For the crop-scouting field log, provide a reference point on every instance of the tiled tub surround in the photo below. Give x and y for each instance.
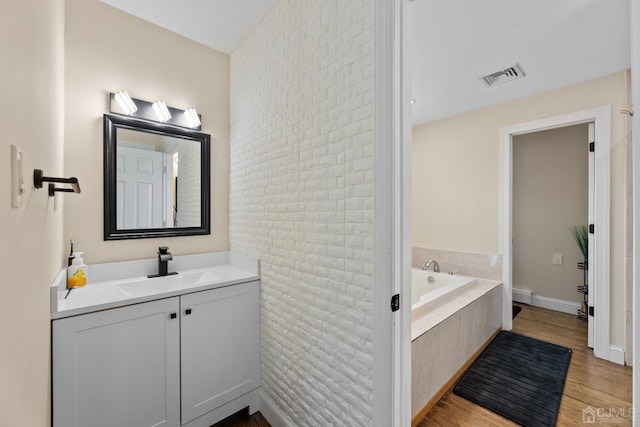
(485, 266)
(446, 335)
(441, 303)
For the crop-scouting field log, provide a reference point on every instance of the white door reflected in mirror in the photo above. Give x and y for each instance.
(157, 181)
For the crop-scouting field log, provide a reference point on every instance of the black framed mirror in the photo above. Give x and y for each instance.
(156, 180)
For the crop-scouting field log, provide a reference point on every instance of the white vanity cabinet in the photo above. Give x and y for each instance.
(136, 365)
(220, 347)
(118, 367)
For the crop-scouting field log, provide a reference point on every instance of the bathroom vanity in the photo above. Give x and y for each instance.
(180, 350)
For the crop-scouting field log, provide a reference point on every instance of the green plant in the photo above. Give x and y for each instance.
(581, 236)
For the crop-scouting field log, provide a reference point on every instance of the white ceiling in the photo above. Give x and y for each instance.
(454, 43)
(557, 43)
(220, 24)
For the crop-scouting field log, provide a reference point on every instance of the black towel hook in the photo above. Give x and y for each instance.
(39, 178)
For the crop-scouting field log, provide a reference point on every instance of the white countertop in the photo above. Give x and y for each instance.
(118, 284)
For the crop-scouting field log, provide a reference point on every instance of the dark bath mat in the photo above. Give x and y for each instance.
(516, 309)
(518, 377)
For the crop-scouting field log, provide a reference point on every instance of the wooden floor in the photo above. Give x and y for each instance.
(243, 419)
(591, 382)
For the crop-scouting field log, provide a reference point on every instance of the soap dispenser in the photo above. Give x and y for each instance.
(77, 273)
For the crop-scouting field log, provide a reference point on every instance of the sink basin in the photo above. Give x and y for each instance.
(164, 284)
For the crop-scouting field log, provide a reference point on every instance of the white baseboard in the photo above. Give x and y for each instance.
(616, 354)
(270, 411)
(522, 295)
(525, 296)
(569, 307)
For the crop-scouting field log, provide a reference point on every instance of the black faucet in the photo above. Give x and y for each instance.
(164, 256)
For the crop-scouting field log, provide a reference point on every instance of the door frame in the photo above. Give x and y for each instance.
(635, 132)
(601, 116)
(392, 259)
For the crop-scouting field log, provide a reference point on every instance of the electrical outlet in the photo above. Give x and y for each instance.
(557, 259)
(17, 179)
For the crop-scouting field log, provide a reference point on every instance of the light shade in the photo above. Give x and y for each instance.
(161, 110)
(192, 117)
(125, 102)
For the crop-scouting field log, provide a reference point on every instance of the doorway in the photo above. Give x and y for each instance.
(599, 252)
(552, 191)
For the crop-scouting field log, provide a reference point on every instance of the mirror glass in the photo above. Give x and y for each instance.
(156, 179)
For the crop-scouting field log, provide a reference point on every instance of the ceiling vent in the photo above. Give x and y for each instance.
(504, 76)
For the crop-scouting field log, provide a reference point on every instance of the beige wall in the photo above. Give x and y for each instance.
(456, 175)
(108, 50)
(550, 194)
(31, 115)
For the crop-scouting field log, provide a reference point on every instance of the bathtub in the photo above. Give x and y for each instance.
(458, 318)
(429, 289)
(451, 319)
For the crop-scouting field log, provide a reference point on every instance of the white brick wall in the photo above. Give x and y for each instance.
(189, 181)
(301, 199)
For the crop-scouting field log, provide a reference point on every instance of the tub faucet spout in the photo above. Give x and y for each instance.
(436, 266)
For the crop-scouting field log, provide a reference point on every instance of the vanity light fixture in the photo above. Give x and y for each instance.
(192, 117)
(161, 110)
(121, 103)
(125, 102)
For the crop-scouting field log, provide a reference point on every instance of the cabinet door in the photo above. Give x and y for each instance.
(220, 347)
(118, 367)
